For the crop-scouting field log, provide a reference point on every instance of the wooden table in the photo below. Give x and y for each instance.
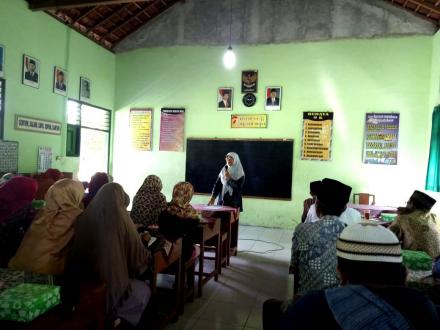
(230, 221)
(375, 210)
(208, 229)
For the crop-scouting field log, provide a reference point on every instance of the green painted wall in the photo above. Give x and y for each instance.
(435, 71)
(350, 77)
(39, 35)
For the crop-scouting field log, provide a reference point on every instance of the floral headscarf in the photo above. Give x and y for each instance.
(180, 204)
(148, 202)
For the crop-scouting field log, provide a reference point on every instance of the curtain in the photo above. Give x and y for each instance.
(433, 173)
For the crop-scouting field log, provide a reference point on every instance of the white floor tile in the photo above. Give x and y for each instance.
(236, 300)
(225, 312)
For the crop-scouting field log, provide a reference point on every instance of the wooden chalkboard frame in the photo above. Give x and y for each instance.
(252, 140)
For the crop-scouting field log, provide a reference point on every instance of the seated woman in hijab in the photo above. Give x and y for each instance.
(108, 249)
(46, 180)
(45, 245)
(16, 214)
(96, 182)
(148, 202)
(180, 219)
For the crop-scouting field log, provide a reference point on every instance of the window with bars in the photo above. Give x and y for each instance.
(88, 136)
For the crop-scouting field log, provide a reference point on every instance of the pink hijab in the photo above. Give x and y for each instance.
(15, 194)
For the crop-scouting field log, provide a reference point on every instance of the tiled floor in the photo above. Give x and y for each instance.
(235, 301)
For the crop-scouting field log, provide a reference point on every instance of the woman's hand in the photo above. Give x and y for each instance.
(227, 175)
(211, 201)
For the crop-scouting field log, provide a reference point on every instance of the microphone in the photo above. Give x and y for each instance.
(226, 167)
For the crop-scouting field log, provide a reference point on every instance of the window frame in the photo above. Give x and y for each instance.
(2, 110)
(81, 103)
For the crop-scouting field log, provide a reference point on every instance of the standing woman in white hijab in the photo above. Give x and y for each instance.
(229, 184)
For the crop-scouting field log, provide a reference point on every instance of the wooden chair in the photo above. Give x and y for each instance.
(188, 278)
(164, 263)
(364, 199)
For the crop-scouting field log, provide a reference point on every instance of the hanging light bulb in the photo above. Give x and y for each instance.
(229, 59)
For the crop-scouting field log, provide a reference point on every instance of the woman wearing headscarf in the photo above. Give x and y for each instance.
(46, 243)
(107, 248)
(46, 180)
(148, 202)
(229, 184)
(180, 219)
(96, 182)
(16, 214)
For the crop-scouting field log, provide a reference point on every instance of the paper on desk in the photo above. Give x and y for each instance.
(212, 207)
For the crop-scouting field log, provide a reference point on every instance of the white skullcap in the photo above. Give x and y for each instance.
(368, 241)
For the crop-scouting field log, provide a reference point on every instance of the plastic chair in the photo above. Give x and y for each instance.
(364, 199)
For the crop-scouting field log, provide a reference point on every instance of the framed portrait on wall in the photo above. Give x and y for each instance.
(249, 81)
(224, 98)
(84, 89)
(59, 81)
(31, 71)
(273, 98)
(2, 61)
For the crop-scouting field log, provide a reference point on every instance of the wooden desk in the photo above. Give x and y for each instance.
(230, 221)
(208, 229)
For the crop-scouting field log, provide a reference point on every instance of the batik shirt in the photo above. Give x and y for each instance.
(314, 253)
(418, 230)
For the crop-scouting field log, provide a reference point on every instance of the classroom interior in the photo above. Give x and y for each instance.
(348, 57)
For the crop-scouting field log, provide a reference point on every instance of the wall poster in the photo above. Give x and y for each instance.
(172, 123)
(381, 138)
(44, 159)
(317, 136)
(8, 156)
(141, 121)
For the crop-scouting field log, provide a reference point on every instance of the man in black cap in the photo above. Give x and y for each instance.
(416, 227)
(314, 244)
(314, 186)
(371, 295)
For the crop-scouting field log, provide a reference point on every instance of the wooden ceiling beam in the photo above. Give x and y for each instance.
(426, 5)
(56, 4)
(108, 18)
(169, 4)
(135, 17)
(86, 13)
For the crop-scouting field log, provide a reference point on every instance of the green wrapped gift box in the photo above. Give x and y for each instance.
(27, 301)
(416, 260)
